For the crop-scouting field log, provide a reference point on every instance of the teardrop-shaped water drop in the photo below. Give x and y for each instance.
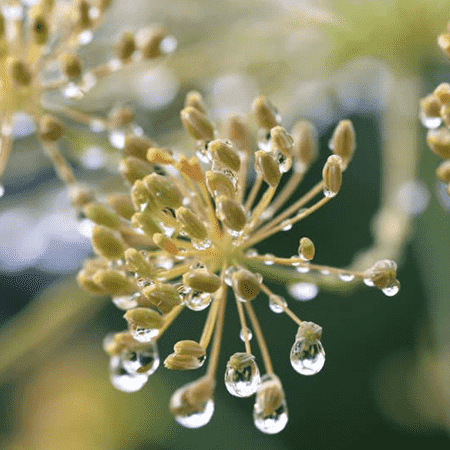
(328, 193)
(391, 290)
(430, 122)
(201, 244)
(276, 302)
(122, 380)
(270, 413)
(247, 333)
(229, 273)
(198, 301)
(269, 259)
(141, 360)
(307, 357)
(303, 291)
(191, 416)
(346, 277)
(126, 302)
(242, 376)
(142, 334)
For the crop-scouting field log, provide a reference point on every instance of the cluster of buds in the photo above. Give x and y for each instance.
(185, 237)
(38, 54)
(435, 115)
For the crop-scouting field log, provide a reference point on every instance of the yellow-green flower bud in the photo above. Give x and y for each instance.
(246, 285)
(224, 154)
(266, 165)
(191, 224)
(101, 215)
(196, 124)
(343, 141)
(231, 213)
(332, 175)
(164, 296)
(265, 113)
(108, 243)
(202, 281)
(306, 250)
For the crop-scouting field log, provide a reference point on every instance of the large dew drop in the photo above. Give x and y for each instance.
(190, 415)
(270, 413)
(307, 357)
(276, 304)
(142, 360)
(242, 376)
(122, 380)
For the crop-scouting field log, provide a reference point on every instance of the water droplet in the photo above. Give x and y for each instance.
(122, 380)
(201, 245)
(392, 290)
(275, 302)
(86, 227)
(188, 411)
(168, 45)
(270, 413)
(94, 158)
(346, 277)
(269, 259)
(328, 193)
(368, 282)
(166, 229)
(143, 360)
(202, 153)
(286, 225)
(430, 122)
(125, 302)
(114, 64)
(251, 253)
(198, 301)
(263, 140)
(2, 190)
(242, 376)
(303, 291)
(295, 262)
(164, 262)
(302, 269)
(307, 357)
(72, 90)
(94, 12)
(89, 81)
(229, 273)
(97, 125)
(144, 335)
(412, 197)
(284, 161)
(325, 272)
(249, 334)
(12, 12)
(85, 37)
(117, 138)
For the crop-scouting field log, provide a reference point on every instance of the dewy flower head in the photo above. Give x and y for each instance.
(191, 240)
(38, 55)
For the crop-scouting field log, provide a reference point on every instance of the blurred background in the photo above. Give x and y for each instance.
(387, 377)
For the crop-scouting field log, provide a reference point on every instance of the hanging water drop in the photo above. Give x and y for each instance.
(269, 259)
(122, 380)
(198, 301)
(302, 269)
(346, 277)
(286, 225)
(143, 334)
(229, 273)
(270, 413)
(430, 122)
(392, 289)
(245, 333)
(126, 302)
(277, 304)
(242, 376)
(192, 405)
(201, 244)
(307, 353)
(329, 193)
(2, 190)
(141, 360)
(303, 291)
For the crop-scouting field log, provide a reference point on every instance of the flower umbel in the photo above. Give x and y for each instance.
(190, 240)
(39, 63)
